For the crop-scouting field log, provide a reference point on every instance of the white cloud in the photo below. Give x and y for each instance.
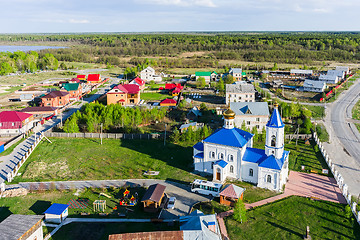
(183, 3)
(78, 21)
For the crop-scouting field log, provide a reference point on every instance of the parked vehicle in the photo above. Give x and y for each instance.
(206, 187)
(171, 203)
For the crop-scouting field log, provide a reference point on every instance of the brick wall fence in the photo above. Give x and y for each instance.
(339, 179)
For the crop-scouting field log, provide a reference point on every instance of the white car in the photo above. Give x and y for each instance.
(171, 203)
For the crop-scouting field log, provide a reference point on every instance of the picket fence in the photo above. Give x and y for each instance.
(339, 179)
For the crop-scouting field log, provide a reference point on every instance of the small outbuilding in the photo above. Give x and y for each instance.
(56, 213)
(153, 197)
(168, 102)
(230, 194)
(23, 227)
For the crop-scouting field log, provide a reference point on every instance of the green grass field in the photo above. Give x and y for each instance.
(81, 159)
(149, 96)
(303, 155)
(288, 218)
(317, 112)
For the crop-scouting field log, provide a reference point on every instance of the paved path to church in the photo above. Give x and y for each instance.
(299, 184)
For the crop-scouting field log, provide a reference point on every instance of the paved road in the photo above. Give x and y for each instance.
(7, 163)
(344, 147)
(184, 197)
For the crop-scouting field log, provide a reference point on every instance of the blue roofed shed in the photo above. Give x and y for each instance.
(56, 213)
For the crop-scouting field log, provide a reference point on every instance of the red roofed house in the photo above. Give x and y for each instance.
(168, 102)
(124, 94)
(94, 78)
(230, 194)
(81, 77)
(14, 122)
(75, 80)
(173, 89)
(55, 99)
(138, 81)
(176, 91)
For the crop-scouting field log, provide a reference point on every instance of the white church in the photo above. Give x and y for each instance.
(228, 154)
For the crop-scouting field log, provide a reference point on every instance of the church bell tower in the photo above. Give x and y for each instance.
(274, 144)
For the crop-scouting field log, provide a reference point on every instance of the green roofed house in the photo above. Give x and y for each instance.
(74, 90)
(209, 76)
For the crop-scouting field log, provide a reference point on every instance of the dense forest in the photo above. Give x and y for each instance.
(288, 47)
(26, 62)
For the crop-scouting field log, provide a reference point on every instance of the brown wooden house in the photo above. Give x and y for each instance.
(153, 197)
(230, 194)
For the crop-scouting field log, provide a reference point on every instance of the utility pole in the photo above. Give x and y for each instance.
(165, 135)
(61, 123)
(101, 127)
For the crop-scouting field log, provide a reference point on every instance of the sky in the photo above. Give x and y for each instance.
(57, 16)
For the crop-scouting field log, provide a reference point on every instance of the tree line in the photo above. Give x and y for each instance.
(26, 62)
(113, 118)
(296, 48)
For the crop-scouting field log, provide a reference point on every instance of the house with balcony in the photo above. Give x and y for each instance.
(55, 99)
(124, 94)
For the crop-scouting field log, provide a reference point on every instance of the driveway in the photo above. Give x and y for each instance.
(185, 199)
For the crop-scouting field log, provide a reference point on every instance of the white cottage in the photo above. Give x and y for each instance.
(228, 153)
(148, 74)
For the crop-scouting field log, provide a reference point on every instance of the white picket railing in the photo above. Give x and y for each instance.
(339, 179)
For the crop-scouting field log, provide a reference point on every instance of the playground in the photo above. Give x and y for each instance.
(90, 202)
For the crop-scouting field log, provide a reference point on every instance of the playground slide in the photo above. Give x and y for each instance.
(104, 194)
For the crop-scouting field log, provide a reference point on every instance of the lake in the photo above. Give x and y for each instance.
(13, 48)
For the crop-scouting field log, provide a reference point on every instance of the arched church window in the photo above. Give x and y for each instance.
(221, 156)
(268, 179)
(251, 172)
(218, 170)
(231, 169)
(231, 158)
(212, 155)
(273, 140)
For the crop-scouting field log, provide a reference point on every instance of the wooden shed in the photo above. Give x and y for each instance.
(56, 213)
(230, 194)
(153, 197)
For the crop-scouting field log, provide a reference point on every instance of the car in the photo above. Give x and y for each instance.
(171, 203)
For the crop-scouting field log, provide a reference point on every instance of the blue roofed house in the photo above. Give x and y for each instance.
(56, 213)
(228, 154)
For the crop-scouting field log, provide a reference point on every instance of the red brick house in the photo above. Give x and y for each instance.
(14, 122)
(55, 99)
(94, 78)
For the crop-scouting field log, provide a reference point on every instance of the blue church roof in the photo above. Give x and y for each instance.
(275, 120)
(199, 146)
(199, 155)
(229, 137)
(258, 156)
(221, 163)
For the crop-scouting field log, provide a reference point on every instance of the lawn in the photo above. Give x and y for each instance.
(153, 96)
(38, 202)
(101, 231)
(288, 219)
(303, 155)
(317, 112)
(86, 159)
(356, 111)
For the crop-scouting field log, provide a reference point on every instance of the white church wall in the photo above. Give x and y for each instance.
(245, 174)
(275, 178)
